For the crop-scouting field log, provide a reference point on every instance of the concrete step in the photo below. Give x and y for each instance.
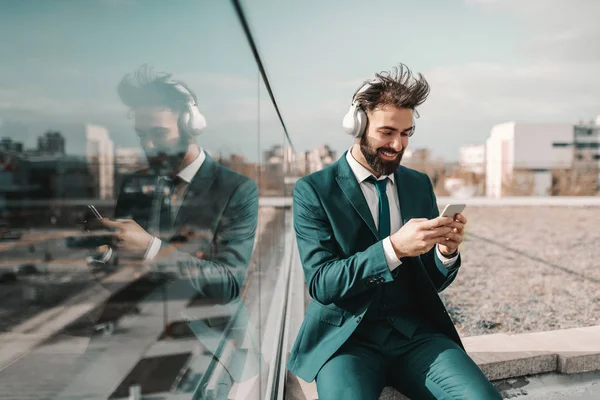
(502, 356)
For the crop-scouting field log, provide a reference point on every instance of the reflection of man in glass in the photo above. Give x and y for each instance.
(199, 221)
(194, 193)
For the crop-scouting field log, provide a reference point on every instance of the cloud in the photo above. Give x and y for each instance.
(222, 97)
(554, 30)
(553, 78)
(538, 91)
(35, 102)
(208, 80)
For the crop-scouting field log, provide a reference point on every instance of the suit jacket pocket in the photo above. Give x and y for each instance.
(325, 314)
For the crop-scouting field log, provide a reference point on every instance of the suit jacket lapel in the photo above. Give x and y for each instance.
(198, 187)
(404, 188)
(351, 189)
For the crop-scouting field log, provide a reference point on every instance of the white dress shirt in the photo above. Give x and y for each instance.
(186, 175)
(371, 196)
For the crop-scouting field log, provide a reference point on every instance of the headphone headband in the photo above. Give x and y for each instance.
(355, 120)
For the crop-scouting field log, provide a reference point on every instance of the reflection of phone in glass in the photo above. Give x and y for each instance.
(98, 257)
(452, 209)
(94, 211)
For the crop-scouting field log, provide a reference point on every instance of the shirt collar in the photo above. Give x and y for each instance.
(188, 173)
(360, 172)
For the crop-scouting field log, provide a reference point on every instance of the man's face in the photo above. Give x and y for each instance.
(386, 138)
(160, 138)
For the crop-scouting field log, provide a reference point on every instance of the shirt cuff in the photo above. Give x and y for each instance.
(153, 249)
(448, 262)
(390, 255)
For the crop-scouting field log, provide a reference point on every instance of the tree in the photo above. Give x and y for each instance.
(519, 183)
(574, 182)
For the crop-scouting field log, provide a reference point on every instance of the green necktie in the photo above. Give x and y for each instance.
(384, 206)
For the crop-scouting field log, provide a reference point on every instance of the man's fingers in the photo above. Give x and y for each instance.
(449, 239)
(461, 218)
(108, 223)
(416, 220)
(457, 225)
(437, 232)
(436, 222)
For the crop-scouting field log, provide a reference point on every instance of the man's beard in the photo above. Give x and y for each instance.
(167, 159)
(165, 163)
(382, 167)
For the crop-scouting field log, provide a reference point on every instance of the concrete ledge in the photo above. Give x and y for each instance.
(568, 351)
(576, 363)
(501, 356)
(510, 365)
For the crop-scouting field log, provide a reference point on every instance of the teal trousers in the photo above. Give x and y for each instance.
(427, 366)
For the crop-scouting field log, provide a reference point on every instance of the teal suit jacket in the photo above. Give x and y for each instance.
(344, 261)
(221, 206)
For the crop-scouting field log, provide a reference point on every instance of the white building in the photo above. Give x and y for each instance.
(515, 149)
(418, 155)
(101, 159)
(280, 157)
(586, 146)
(472, 158)
(307, 162)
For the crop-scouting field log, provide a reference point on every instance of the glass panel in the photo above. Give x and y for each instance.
(170, 295)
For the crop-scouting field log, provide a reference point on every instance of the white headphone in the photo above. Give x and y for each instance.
(190, 120)
(355, 120)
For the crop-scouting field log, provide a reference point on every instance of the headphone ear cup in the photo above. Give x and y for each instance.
(354, 121)
(192, 121)
(196, 121)
(361, 118)
(349, 121)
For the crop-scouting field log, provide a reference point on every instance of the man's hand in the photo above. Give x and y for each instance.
(128, 235)
(449, 244)
(419, 235)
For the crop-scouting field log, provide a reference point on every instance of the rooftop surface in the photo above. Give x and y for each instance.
(527, 269)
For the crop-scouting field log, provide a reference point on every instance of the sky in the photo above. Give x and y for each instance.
(487, 61)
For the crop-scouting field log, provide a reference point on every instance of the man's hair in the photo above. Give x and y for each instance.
(145, 88)
(398, 88)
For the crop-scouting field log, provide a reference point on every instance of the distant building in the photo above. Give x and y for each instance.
(586, 147)
(55, 177)
(51, 142)
(279, 158)
(7, 145)
(518, 153)
(314, 160)
(416, 156)
(101, 159)
(127, 161)
(472, 159)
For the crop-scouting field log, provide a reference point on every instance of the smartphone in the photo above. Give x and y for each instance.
(91, 224)
(452, 209)
(99, 258)
(94, 211)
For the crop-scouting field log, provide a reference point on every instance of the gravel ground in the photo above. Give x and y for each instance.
(527, 269)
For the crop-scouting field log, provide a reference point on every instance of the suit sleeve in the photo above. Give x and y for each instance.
(440, 275)
(218, 272)
(329, 277)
